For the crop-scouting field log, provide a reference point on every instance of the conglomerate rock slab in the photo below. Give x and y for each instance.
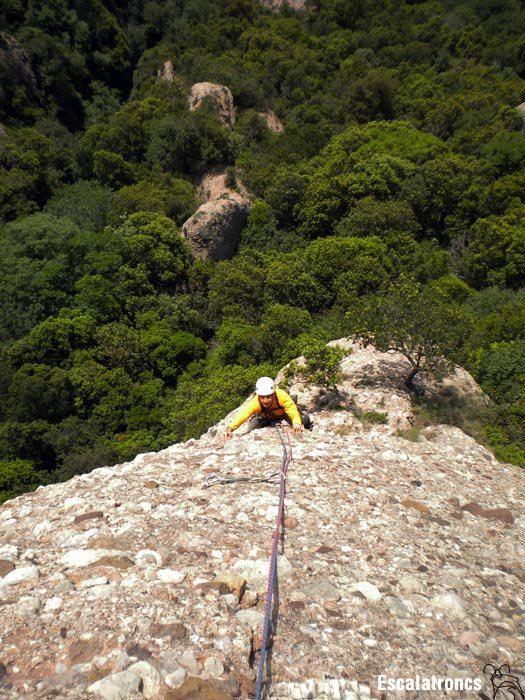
(397, 558)
(214, 230)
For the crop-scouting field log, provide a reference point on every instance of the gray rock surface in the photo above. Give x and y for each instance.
(219, 95)
(382, 569)
(276, 4)
(16, 61)
(214, 230)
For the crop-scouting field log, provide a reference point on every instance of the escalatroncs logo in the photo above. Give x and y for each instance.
(504, 685)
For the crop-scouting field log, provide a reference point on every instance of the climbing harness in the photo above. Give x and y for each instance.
(273, 478)
(287, 458)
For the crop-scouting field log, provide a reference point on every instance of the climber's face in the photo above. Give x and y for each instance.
(266, 401)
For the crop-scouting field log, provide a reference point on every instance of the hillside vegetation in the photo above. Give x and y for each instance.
(399, 175)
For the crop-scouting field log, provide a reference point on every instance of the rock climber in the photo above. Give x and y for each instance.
(268, 405)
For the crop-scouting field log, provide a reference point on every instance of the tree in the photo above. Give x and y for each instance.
(436, 189)
(41, 257)
(500, 371)
(189, 143)
(173, 197)
(321, 363)
(506, 151)
(237, 288)
(112, 170)
(28, 175)
(87, 204)
(417, 322)
(39, 392)
(496, 254)
(17, 477)
(52, 341)
(291, 282)
(126, 135)
(346, 264)
(154, 254)
(261, 230)
(169, 353)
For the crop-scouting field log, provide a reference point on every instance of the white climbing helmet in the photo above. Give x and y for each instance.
(264, 386)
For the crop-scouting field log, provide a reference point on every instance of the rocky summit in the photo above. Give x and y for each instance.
(400, 568)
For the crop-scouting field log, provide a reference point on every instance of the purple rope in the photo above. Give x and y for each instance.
(287, 458)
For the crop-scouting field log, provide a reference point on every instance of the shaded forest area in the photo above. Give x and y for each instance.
(399, 174)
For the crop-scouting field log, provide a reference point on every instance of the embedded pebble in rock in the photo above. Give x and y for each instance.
(21, 575)
(170, 576)
(320, 591)
(120, 685)
(366, 590)
(450, 603)
(397, 557)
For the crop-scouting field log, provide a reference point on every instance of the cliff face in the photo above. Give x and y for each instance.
(398, 558)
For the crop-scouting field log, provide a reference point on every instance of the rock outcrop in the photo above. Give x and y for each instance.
(277, 4)
(272, 121)
(14, 59)
(398, 559)
(220, 96)
(167, 72)
(214, 230)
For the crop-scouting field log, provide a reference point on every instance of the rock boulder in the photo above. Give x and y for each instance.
(220, 96)
(214, 230)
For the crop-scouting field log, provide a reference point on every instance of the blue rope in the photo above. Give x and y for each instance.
(287, 456)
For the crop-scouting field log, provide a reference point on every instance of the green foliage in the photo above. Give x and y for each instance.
(378, 160)
(496, 254)
(154, 255)
(38, 391)
(500, 369)
(499, 315)
(374, 417)
(169, 353)
(17, 477)
(238, 343)
(415, 321)
(112, 170)
(346, 266)
(124, 139)
(261, 230)
(506, 151)
(53, 340)
(236, 289)
(290, 281)
(452, 288)
(202, 397)
(28, 175)
(190, 143)
(321, 365)
(173, 197)
(401, 154)
(89, 205)
(41, 259)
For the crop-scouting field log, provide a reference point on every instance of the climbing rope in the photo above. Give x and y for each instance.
(213, 479)
(287, 458)
(280, 476)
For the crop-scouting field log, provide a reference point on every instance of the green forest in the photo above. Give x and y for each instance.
(391, 204)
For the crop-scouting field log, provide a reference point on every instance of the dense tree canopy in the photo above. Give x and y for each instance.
(390, 204)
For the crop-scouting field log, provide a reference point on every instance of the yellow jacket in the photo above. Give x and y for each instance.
(282, 404)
